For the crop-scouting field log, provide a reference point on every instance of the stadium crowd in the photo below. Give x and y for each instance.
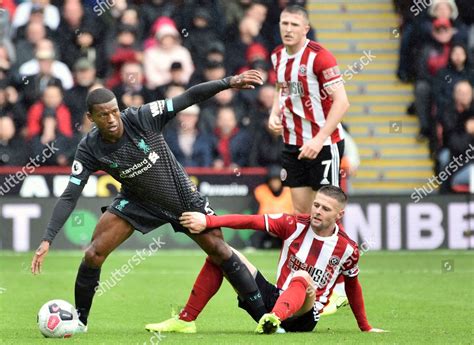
(52, 53)
(436, 54)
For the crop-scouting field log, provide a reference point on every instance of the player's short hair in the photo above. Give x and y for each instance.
(296, 9)
(98, 96)
(335, 193)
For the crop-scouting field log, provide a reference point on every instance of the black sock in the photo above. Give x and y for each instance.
(86, 281)
(242, 280)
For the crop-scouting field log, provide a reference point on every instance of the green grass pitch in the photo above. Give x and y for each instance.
(420, 297)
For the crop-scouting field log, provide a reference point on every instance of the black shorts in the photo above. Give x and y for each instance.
(314, 173)
(145, 220)
(270, 294)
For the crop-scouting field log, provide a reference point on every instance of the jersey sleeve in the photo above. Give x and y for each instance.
(82, 167)
(326, 69)
(155, 115)
(350, 268)
(282, 225)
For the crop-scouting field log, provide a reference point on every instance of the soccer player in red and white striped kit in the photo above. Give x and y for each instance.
(314, 254)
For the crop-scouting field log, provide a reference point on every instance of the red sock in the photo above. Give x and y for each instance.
(292, 299)
(206, 285)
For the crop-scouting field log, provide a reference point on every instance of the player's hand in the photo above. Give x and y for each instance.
(246, 80)
(39, 256)
(310, 149)
(194, 221)
(274, 123)
(376, 330)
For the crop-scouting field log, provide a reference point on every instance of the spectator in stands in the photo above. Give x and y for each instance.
(25, 47)
(36, 10)
(248, 38)
(458, 125)
(177, 75)
(13, 150)
(45, 63)
(210, 108)
(132, 85)
(259, 110)
(6, 73)
(445, 9)
(131, 19)
(124, 49)
(434, 57)
(459, 68)
(191, 146)
(80, 35)
(212, 70)
(232, 145)
(270, 198)
(216, 52)
(157, 60)
(50, 120)
(200, 37)
(75, 98)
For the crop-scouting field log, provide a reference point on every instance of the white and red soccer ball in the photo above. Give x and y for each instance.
(57, 319)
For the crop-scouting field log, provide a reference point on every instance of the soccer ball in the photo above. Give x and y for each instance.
(57, 319)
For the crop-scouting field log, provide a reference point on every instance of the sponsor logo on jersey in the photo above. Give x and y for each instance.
(113, 165)
(157, 108)
(77, 167)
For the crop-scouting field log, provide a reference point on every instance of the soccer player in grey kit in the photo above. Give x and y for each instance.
(156, 190)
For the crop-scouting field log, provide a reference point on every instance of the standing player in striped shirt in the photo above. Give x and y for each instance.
(310, 102)
(315, 253)
(309, 105)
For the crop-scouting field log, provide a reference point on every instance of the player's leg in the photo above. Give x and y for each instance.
(109, 233)
(206, 285)
(302, 198)
(236, 272)
(296, 300)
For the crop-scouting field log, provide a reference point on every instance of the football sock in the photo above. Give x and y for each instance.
(86, 281)
(206, 285)
(292, 299)
(242, 280)
(339, 287)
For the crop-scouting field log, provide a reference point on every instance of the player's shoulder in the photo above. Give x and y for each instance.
(303, 218)
(345, 237)
(277, 49)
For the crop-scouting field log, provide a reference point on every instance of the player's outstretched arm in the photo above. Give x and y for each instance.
(198, 222)
(356, 301)
(203, 91)
(62, 211)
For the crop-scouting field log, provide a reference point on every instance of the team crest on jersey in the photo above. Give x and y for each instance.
(334, 260)
(302, 70)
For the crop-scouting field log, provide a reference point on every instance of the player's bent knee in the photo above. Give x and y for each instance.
(93, 258)
(304, 275)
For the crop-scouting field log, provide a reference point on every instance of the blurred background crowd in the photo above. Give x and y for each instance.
(52, 53)
(436, 54)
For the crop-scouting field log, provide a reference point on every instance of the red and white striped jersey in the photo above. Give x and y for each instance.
(304, 103)
(324, 258)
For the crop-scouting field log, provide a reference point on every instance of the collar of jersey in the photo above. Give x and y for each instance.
(299, 52)
(326, 238)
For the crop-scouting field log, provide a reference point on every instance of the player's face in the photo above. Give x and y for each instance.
(293, 28)
(106, 117)
(325, 211)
